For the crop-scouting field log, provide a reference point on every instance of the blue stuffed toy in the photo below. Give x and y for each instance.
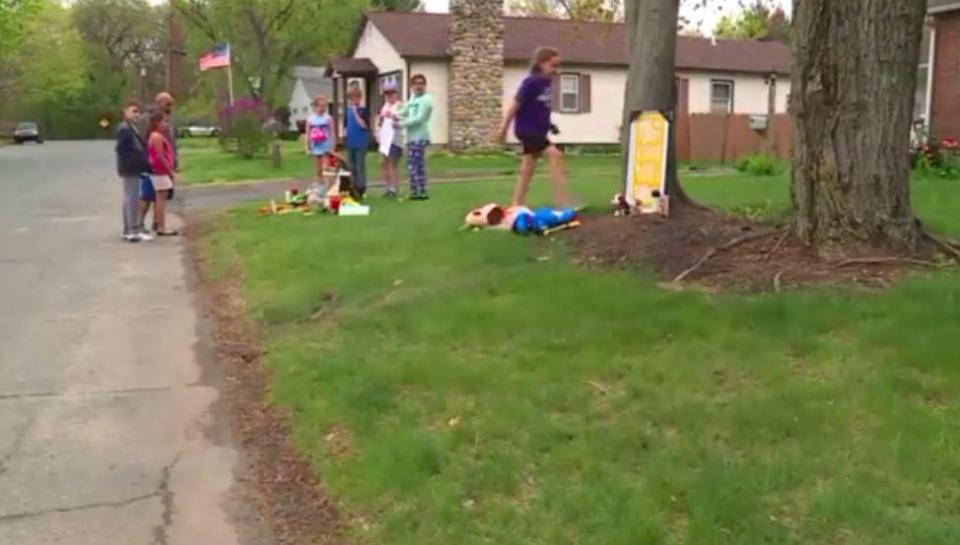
(542, 219)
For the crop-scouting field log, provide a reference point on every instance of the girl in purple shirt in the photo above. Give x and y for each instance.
(530, 113)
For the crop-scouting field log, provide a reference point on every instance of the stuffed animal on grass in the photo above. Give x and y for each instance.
(620, 205)
(544, 220)
(488, 215)
(520, 219)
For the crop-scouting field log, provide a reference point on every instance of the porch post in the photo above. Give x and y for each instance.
(336, 108)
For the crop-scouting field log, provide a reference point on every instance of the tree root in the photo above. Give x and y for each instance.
(776, 280)
(885, 260)
(726, 246)
(952, 247)
(780, 241)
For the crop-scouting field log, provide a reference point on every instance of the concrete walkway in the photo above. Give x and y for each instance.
(110, 428)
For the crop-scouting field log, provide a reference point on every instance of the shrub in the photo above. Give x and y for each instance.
(932, 157)
(289, 136)
(760, 165)
(242, 127)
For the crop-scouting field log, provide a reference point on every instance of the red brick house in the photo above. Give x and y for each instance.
(938, 92)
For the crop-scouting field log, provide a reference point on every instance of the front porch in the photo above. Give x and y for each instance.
(347, 71)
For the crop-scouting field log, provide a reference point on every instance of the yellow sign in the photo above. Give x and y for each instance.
(649, 139)
(104, 122)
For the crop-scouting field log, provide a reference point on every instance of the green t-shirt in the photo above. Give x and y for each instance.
(415, 118)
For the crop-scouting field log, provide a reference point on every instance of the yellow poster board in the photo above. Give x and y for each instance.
(649, 138)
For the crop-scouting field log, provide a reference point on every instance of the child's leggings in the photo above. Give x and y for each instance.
(416, 166)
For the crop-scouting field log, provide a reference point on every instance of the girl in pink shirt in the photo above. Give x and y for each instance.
(160, 152)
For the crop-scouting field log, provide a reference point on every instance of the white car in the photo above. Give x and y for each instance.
(194, 129)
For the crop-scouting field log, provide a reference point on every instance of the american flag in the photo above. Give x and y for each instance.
(218, 58)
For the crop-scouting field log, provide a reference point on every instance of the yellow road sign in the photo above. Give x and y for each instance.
(104, 122)
(649, 139)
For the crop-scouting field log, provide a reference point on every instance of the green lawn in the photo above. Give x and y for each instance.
(203, 162)
(490, 391)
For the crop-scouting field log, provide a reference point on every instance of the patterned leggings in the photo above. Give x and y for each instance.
(416, 166)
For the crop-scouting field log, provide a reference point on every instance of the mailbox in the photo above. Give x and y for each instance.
(757, 122)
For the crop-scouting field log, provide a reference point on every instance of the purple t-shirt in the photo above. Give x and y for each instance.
(533, 117)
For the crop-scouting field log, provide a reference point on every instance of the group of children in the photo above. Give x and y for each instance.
(154, 153)
(146, 162)
(412, 118)
(529, 112)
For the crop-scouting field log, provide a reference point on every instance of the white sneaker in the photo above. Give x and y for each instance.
(144, 236)
(131, 238)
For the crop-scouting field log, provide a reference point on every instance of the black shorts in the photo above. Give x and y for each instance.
(535, 145)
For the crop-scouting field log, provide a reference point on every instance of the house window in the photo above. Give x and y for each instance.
(721, 97)
(570, 93)
(920, 97)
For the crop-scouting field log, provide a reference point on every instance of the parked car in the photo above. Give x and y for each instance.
(27, 131)
(199, 129)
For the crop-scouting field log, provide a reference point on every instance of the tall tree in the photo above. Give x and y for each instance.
(757, 21)
(577, 10)
(268, 37)
(651, 29)
(125, 38)
(397, 5)
(49, 68)
(13, 17)
(852, 100)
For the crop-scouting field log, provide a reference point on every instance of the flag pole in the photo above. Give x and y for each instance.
(230, 81)
(230, 72)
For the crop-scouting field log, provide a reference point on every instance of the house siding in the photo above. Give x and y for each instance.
(750, 92)
(374, 46)
(299, 100)
(945, 95)
(437, 73)
(602, 124)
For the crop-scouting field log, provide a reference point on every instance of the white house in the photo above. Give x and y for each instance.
(308, 82)
(715, 76)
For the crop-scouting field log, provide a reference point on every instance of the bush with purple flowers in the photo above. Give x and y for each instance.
(242, 127)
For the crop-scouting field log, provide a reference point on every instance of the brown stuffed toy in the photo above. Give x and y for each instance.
(488, 215)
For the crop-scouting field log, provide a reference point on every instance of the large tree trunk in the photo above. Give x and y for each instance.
(651, 27)
(854, 77)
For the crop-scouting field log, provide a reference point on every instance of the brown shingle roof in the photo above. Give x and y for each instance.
(425, 35)
(350, 66)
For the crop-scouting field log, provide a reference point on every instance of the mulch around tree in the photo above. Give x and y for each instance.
(701, 247)
(275, 477)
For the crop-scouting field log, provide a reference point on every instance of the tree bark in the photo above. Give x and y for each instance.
(854, 77)
(651, 28)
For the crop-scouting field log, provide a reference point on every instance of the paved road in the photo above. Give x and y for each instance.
(110, 429)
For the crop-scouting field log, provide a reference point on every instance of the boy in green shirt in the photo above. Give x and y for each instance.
(415, 118)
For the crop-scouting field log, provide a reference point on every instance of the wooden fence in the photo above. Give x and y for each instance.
(726, 138)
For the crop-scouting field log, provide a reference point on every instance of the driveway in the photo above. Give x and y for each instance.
(110, 426)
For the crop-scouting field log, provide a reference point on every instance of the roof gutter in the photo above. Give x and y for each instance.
(944, 9)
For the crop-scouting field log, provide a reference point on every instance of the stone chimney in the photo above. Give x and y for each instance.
(476, 73)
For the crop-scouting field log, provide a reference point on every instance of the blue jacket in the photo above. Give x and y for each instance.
(131, 151)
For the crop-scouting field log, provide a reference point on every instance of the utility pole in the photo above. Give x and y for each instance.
(167, 82)
(771, 112)
(143, 84)
(173, 48)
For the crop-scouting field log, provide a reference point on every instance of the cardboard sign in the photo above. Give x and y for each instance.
(647, 173)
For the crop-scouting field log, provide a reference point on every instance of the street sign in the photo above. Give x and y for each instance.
(104, 122)
(647, 160)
